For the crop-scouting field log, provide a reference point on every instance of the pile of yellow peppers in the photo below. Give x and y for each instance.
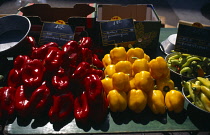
(132, 80)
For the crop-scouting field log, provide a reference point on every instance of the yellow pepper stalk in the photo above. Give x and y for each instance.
(137, 100)
(135, 52)
(124, 66)
(106, 60)
(121, 81)
(156, 102)
(140, 65)
(159, 68)
(118, 54)
(174, 101)
(117, 100)
(109, 70)
(165, 84)
(144, 81)
(107, 84)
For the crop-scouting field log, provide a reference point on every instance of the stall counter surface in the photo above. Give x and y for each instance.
(188, 122)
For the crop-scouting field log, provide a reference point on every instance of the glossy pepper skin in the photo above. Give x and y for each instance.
(53, 59)
(109, 70)
(60, 81)
(137, 100)
(86, 55)
(70, 47)
(140, 65)
(41, 52)
(159, 68)
(81, 71)
(15, 74)
(118, 54)
(61, 108)
(144, 81)
(97, 62)
(7, 103)
(174, 101)
(124, 66)
(117, 100)
(32, 73)
(93, 88)
(135, 53)
(106, 60)
(107, 84)
(156, 102)
(81, 109)
(85, 42)
(121, 81)
(165, 84)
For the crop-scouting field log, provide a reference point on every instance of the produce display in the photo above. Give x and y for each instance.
(189, 65)
(197, 91)
(132, 80)
(58, 82)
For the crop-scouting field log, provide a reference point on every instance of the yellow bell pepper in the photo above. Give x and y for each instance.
(124, 66)
(121, 81)
(146, 57)
(107, 84)
(106, 60)
(135, 52)
(137, 100)
(109, 70)
(156, 102)
(132, 83)
(117, 100)
(165, 84)
(174, 101)
(144, 81)
(140, 65)
(159, 68)
(118, 54)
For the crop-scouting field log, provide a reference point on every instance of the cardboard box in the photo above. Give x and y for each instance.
(81, 16)
(146, 21)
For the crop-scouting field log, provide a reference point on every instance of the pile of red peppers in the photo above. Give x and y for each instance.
(59, 81)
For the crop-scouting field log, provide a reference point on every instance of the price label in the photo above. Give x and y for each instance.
(54, 32)
(193, 40)
(118, 32)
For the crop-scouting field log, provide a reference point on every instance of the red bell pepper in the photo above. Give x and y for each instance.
(82, 70)
(85, 42)
(40, 100)
(98, 72)
(15, 74)
(93, 88)
(41, 52)
(70, 47)
(22, 102)
(97, 62)
(81, 109)
(32, 104)
(61, 108)
(7, 103)
(32, 73)
(53, 59)
(86, 55)
(60, 81)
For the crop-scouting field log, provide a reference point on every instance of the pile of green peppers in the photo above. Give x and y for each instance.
(198, 92)
(189, 65)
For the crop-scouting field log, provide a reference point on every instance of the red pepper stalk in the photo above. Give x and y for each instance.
(62, 107)
(33, 73)
(7, 103)
(15, 74)
(81, 109)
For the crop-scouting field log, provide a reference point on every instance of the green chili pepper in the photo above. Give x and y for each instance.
(187, 63)
(204, 81)
(188, 87)
(205, 101)
(198, 102)
(186, 71)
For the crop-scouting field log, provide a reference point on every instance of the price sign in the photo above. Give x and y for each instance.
(54, 32)
(118, 32)
(193, 40)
